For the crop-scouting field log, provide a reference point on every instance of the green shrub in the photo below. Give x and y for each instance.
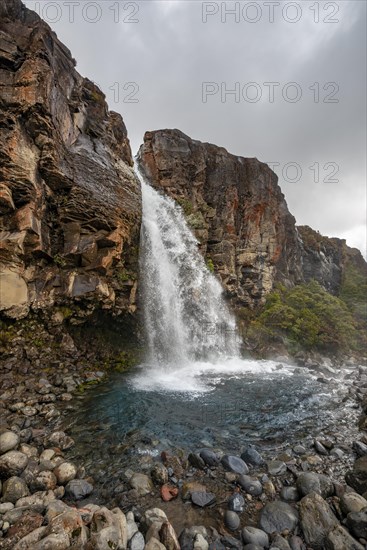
(186, 206)
(59, 260)
(124, 361)
(307, 316)
(210, 265)
(353, 291)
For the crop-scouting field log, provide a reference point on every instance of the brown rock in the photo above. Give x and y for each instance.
(238, 213)
(68, 193)
(27, 523)
(168, 536)
(168, 492)
(235, 207)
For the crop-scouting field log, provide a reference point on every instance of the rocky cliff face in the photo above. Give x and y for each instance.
(70, 204)
(327, 259)
(241, 220)
(236, 209)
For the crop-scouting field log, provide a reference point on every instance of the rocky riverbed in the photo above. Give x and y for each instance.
(311, 495)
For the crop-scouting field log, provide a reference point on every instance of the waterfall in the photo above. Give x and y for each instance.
(185, 316)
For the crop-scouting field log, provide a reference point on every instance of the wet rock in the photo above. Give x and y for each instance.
(231, 520)
(360, 448)
(231, 542)
(191, 487)
(61, 440)
(65, 472)
(296, 543)
(357, 478)
(338, 538)
(36, 502)
(137, 541)
(25, 525)
(234, 464)
(8, 441)
(109, 529)
(29, 411)
(55, 541)
(252, 535)
(236, 503)
(200, 543)
(278, 516)
(119, 521)
(78, 489)
(357, 523)
(108, 537)
(31, 471)
(308, 482)
(279, 543)
(55, 508)
(251, 485)
(352, 502)
(159, 474)
(154, 544)
(337, 453)
(188, 535)
(47, 454)
(87, 513)
(210, 458)
(30, 540)
(153, 516)
(320, 448)
(202, 498)
(299, 450)
(68, 522)
(14, 488)
(196, 461)
(316, 520)
(12, 463)
(269, 488)
(173, 464)
(250, 455)
(168, 492)
(28, 450)
(276, 468)
(44, 481)
(5, 507)
(141, 483)
(168, 536)
(289, 494)
(216, 545)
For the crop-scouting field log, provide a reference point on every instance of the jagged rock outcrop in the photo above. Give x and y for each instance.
(236, 209)
(327, 259)
(241, 219)
(70, 203)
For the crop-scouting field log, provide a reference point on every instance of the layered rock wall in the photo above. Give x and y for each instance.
(70, 203)
(240, 217)
(236, 209)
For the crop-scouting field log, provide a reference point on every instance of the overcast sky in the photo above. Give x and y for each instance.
(155, 59)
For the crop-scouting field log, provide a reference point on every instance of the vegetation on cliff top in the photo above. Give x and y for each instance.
(353, 292)
(306, 317)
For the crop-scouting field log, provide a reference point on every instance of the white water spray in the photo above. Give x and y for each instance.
(186, 319)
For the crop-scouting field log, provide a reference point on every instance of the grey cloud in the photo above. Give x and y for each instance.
(170, 52)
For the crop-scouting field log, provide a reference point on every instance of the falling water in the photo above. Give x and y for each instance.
(186, 318)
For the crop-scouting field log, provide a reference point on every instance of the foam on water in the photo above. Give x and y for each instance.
(203, 376)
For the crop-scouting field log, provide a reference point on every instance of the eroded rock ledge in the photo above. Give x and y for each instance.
(70, 202)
